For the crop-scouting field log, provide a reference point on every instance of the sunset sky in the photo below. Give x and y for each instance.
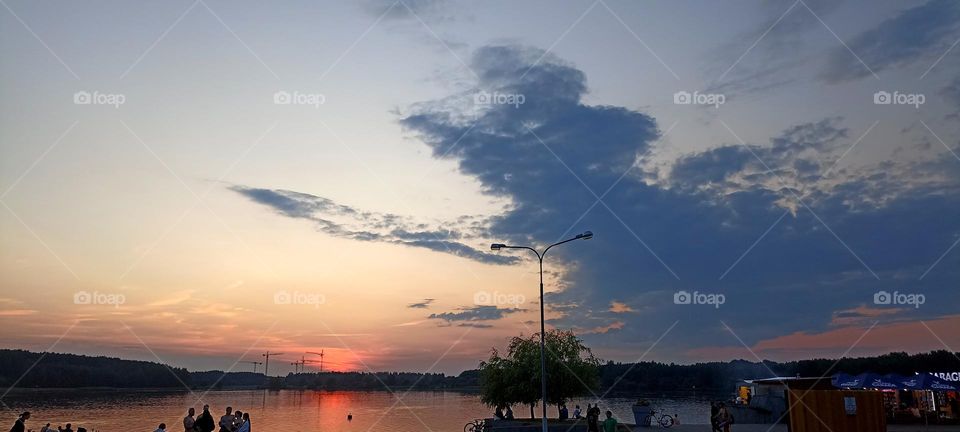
(197, 182)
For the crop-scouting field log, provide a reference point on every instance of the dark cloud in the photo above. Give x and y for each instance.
(421, 305)
(475, 325)
(919, 32)
(476, 313)
(553, 155)
(951, 93)
(347, 222)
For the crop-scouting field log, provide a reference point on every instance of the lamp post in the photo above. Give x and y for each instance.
(586, 235)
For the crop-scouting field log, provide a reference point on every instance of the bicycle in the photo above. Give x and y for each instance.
(474, 426)
(655, 417)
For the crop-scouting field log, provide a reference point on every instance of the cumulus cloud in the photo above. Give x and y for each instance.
(554, 155)
(918, 32)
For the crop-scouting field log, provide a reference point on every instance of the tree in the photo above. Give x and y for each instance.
(572, 370)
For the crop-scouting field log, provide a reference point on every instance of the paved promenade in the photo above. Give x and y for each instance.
(783, 428)
(525, 426)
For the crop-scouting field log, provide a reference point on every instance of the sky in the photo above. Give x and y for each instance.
(199, 182)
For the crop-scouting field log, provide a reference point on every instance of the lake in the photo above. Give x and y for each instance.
(292, 410)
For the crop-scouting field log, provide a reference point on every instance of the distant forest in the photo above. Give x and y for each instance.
(69, 371)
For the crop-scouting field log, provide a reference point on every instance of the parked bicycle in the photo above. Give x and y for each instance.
(474, 426)
(658, 418)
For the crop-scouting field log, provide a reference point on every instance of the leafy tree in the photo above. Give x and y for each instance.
(572, 370)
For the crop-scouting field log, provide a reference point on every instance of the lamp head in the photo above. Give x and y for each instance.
(587, 235)
(497, 246)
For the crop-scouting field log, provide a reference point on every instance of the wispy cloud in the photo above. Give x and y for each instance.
(348, 222)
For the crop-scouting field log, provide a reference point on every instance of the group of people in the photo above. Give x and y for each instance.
(720, 418)
(20, 425)
(609, 424)
(232, 421)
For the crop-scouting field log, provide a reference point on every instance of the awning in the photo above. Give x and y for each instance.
(892, 381)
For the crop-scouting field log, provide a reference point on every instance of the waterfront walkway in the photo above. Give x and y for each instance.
(783, 428)
(527, 426)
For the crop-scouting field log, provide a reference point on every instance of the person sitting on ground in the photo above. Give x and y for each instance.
(20, 425)
(226, 421)
(205, 421)
(81, 429)
(576, 412)
(509, 414)
(161, 428)
(245, 426)
(564, 414)
(610, 424)
(69, 428)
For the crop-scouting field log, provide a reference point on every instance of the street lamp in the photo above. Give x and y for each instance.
(586, 235)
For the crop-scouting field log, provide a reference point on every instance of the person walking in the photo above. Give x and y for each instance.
(226, 421)
(714, 419)
(610, 424)
(205, 422)
(245, 426)
(509, 414)
(237, 419)
(593, 418)
(724, 418)
(20, 425)
(189, 424)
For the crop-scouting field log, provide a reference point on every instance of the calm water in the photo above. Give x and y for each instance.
(290, 410)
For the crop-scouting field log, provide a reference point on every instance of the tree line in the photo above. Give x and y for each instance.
(55, 370)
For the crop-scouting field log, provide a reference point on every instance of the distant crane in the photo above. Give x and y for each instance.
(254, 363)
(266, 366)
(321, 358)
